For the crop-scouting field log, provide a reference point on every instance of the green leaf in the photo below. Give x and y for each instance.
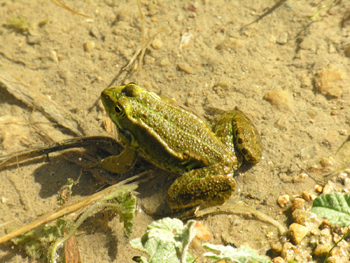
(37, 241)
(126, 208)
(166, 240)
(239, 255)
(335, 207)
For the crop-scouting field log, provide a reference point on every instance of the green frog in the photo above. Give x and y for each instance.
(177, 140)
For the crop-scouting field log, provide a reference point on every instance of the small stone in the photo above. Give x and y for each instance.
(152, 6)
(319, 188)
(287, 251)
(306, 44)
(54, 56)
(298, 203)
(185, 67)
(33, 40)
(165, 62)
(103, 55)
(94, 32)
(334, 112)
(229, 44)
(332, 49)
(326, 162)
(305, 81)
(283, 38)
(202, 232)
(298, 232)
(278, 260)
(300, 177)
(327, 189)
(282, 99)
(157, 44)
(331, 81)
(189, 102)
(343, 132)
(322, 250)
(283, 200)
(307, 219)
(89, 46)
(277, 247)
(306, 196)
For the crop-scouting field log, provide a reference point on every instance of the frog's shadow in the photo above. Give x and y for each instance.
(54, 174)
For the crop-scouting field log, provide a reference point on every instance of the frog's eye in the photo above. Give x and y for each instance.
(130, 90)
(118, 110)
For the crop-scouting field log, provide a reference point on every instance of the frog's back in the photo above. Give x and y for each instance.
(171, 137)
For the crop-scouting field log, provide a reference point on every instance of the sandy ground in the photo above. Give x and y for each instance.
(288, 72)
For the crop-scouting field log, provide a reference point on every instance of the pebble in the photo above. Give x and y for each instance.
(322, 250)
(327, 189)
(283, 38)
(202, 232)
(306, 196)
(157, 44)
(319, 188)
(288, 251)
(300, 177)
(94, 32)
(306, 44)
(343, 132)
(165, 62)
(298, 203)
(278, 260)
(282, 99)
(33, 40)
(185, 67)
(277, 247)
(298, 232)
(326, 162)
(307, 219)
(305, 81)
(89, 46)
(283, 200)
(331, 81)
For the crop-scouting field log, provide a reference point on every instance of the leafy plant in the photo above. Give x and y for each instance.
(335, 207)
(167, 240)
(37, 242)
(239, 255)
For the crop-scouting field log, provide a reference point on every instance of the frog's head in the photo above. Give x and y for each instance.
(118, 103)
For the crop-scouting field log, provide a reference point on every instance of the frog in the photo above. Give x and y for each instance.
(177, 140)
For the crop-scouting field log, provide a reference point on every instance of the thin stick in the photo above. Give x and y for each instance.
(242, 210)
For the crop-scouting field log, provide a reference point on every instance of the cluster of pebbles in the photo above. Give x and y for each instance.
(311, 237)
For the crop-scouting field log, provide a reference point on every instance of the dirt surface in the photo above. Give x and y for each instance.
(287, 72)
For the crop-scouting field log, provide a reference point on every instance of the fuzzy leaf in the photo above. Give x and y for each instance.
(166, 240)
(238, 255)
(335, 207)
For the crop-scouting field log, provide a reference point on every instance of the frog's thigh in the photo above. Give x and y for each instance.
(212, 190)
(119, 163)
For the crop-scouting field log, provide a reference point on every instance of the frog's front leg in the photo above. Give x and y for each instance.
(211, 185)
(119, 163)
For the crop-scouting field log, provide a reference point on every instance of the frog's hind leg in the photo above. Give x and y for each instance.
(235, 129)
(198, 187)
